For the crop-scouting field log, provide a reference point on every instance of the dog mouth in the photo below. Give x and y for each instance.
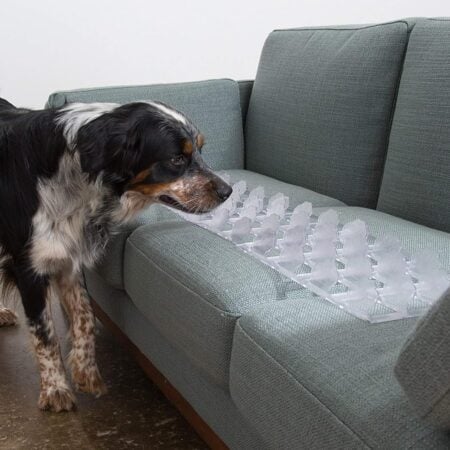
(166, 199)
(170, 201)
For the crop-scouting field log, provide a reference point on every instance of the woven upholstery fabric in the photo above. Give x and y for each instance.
(423, 367)
(110, 268)
(210, 401)
(321, 107)
(192, 285)
(308, 375)
(213, 105)
(416, 181)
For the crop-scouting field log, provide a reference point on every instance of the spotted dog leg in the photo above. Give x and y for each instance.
(55, 394)
(85, 374)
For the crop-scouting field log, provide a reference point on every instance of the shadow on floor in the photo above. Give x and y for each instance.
(134, 414)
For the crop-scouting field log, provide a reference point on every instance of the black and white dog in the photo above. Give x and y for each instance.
(68, 176)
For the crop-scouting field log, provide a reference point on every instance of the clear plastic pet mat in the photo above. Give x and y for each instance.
(373, 279)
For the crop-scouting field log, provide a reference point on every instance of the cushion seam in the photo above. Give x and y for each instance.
(432, 19)
(318, 28)
(436, 403)
(223, 311)
(290, 375)
(402, 360)
(392, 115)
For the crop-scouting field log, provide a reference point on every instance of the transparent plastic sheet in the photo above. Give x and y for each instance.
(372, 279)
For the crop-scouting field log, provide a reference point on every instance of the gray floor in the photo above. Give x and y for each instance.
(134, 414)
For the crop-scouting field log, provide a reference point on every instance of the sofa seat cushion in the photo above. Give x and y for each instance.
(192, 286)
(320, 108)
(110, 267)
(308, 375)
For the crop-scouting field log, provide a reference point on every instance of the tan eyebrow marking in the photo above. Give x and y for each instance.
(200, 140)
(188, 147)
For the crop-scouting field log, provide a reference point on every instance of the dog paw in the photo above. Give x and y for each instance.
(7, 317)
(90, 381)
(57, 399)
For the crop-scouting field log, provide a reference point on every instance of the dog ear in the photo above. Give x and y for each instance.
(128, 147)
(90, 144)
(109, 146)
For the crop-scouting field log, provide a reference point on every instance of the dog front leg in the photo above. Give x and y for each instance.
(85, 373)
(7, 316)
(55, 394)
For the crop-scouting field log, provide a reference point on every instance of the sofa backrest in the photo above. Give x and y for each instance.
(321, 106)
(213, 105)
(416, 181)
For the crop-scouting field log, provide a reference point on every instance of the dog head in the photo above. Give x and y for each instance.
(150, 150)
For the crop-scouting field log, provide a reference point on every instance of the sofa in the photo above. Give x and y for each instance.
(353, 118)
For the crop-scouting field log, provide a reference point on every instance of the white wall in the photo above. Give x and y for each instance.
(46, 45)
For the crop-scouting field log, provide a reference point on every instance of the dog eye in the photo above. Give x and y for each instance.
(178, 160)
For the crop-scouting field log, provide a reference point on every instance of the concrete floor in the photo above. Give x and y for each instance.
(133, 415)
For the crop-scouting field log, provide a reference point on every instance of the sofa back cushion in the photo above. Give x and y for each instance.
(423, 367)
(213, 105)
(416, 181)
(321, 105)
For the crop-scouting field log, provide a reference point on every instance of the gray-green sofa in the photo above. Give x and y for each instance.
(356, 118)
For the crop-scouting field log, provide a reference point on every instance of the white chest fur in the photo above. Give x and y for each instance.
(69, 229)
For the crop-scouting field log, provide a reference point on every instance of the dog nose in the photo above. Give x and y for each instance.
(223, 191)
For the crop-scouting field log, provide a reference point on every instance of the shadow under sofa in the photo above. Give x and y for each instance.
(351, 118)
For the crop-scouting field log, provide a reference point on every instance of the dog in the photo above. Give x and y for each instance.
(68, 177)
